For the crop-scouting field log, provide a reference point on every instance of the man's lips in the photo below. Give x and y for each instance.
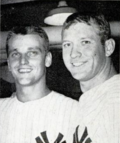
(24, 70)
(78, 64)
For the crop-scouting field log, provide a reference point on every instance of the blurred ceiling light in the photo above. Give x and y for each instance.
(58, 15)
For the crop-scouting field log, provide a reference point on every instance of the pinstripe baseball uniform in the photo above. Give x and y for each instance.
(49, 119)
(100, 112)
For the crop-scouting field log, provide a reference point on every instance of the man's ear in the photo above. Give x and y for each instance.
(9, 68)
(48, 59)
(109, 47)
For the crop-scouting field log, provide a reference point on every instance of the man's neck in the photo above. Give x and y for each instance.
(33, 92)
(105, 74)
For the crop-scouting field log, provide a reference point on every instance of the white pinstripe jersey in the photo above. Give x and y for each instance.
(100, 112)
(51, 118)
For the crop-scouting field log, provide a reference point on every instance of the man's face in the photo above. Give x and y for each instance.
(27, 58)
(83, 53)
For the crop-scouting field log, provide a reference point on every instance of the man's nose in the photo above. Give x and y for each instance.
(24, 60)
(75, 52)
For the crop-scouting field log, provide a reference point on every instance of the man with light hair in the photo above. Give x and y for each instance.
(34, 113)
(87, 48)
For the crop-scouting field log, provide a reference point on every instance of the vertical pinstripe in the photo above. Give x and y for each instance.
(23, 122)
(100, 111)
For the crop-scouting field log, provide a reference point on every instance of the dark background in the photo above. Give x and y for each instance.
(33, 13)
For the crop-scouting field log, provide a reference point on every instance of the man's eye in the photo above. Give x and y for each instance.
(85, 42)
(66, 45)
(32, 53)
(15, 55)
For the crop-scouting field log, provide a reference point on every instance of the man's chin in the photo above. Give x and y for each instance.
(24, 82)
(79, 77)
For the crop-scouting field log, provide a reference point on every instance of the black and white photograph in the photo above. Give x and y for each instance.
(59, 71)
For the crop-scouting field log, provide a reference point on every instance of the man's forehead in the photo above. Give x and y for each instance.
(80, 29)
(21, 36)
(28, 38)
(30, 41)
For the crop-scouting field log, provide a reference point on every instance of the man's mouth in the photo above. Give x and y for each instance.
(24, 70)
(78, 64)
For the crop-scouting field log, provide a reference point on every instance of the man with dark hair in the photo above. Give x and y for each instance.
(34, 113)
(87, 48)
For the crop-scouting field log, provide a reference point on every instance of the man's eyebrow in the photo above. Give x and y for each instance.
(13, 50)
(88, 37)
(35, 48)
(67, 41)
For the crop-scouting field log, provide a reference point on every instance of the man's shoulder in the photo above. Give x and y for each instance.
(65, 104)
(109, 89)
(109, 85)
(6, 100)
(112, 83)
(63, 97)
(115, 78)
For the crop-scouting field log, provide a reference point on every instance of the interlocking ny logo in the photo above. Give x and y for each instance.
(84, 137)
(45, 138)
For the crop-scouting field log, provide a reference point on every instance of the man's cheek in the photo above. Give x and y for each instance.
(89, 53)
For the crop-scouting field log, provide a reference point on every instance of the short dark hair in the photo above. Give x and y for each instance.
(24, 30)
(91, 19)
